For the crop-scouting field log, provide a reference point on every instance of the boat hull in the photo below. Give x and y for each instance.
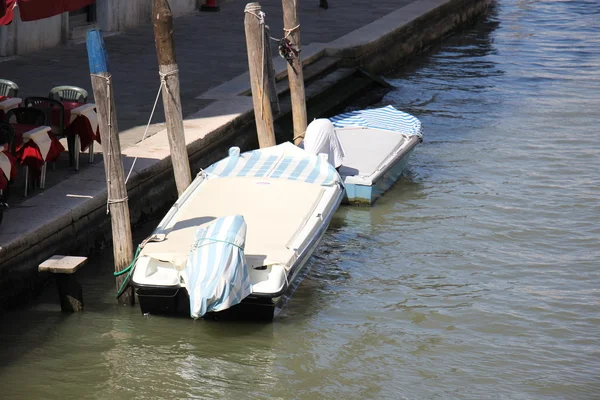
(366, 195)
(174, 300)
(163, 300)
(377, 145)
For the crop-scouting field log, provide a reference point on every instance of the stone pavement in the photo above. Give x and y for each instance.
(211, 49)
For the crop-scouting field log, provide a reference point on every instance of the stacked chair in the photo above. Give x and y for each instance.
(77, 95)
(8, 88)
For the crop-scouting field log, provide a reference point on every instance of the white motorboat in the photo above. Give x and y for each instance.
(377, 144)
(239, 237)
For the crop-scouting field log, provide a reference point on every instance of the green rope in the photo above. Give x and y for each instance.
(128, 269)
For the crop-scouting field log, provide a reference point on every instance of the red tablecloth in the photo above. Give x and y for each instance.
(68, 106)
(79, 125)
(29, 154)
(3, 181)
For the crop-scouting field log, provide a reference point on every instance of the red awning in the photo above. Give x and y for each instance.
(6, 11)
(31, 10)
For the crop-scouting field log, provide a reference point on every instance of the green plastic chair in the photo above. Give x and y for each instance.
(69, 93)
(8, 88)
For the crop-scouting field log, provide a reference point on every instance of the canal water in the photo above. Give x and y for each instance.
(475, 277)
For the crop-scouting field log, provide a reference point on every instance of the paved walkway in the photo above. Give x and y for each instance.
(211, 50)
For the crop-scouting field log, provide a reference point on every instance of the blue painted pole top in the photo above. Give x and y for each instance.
(96, 52)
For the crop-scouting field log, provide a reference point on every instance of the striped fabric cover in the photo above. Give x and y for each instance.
(284, 161)
(386, 118)
(216, 273)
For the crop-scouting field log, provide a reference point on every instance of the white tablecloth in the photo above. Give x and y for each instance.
(10, 103)
(5, 165)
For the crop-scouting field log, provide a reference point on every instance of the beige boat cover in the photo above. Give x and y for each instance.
(275, 211)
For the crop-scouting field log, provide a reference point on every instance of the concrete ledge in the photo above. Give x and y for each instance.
(71, 216)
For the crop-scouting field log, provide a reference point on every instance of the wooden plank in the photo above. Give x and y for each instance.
(62, 264)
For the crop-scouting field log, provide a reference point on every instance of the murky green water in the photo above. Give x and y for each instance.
(476, 277)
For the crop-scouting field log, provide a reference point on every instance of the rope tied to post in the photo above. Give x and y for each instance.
(163, 81)
(298, 137)
(108, 79)
(250, 9)
(288, 50)
(109, 200)
(288, 32)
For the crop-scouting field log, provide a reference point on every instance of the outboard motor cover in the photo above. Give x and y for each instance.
(320, 138)
(216, 274)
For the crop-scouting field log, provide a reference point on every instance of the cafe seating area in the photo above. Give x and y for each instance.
(41, 130)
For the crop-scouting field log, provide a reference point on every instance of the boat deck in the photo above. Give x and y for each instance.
(367, 150)
(275, 210)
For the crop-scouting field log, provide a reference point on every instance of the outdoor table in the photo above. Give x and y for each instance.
(8, 172)
(8, 103)
(36, 146)
(83, 121)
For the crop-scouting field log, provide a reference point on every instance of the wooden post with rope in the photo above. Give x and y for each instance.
(291, 29)
(271, 82)
(117, 204)
(162, 19)
(254, 25)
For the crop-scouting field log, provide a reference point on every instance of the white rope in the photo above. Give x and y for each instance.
(108, 79)
(115, 202)
(288, 32)
(163, 81)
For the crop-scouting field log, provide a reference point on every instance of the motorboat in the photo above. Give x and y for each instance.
(377, 144)
(239, 237)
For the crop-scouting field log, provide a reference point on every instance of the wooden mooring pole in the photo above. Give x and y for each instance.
(162, 19)
(291, 29)
(271, 82)
(254, 25)
(118, 206)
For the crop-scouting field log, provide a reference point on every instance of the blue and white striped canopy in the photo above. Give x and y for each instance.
(284, 161)
(216, 273)
(386, 118)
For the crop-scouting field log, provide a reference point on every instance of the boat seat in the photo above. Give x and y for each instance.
(364, 155)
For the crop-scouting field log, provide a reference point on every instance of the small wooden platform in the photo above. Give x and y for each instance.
(62, 264)
(69, 290)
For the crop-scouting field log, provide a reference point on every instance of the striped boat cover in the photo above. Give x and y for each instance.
(216, 273)
(386, 118)
(284, 161)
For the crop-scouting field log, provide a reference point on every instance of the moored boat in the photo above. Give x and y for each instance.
(240, 236)
(377, 144)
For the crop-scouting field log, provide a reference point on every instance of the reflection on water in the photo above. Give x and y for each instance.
(474, 277)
